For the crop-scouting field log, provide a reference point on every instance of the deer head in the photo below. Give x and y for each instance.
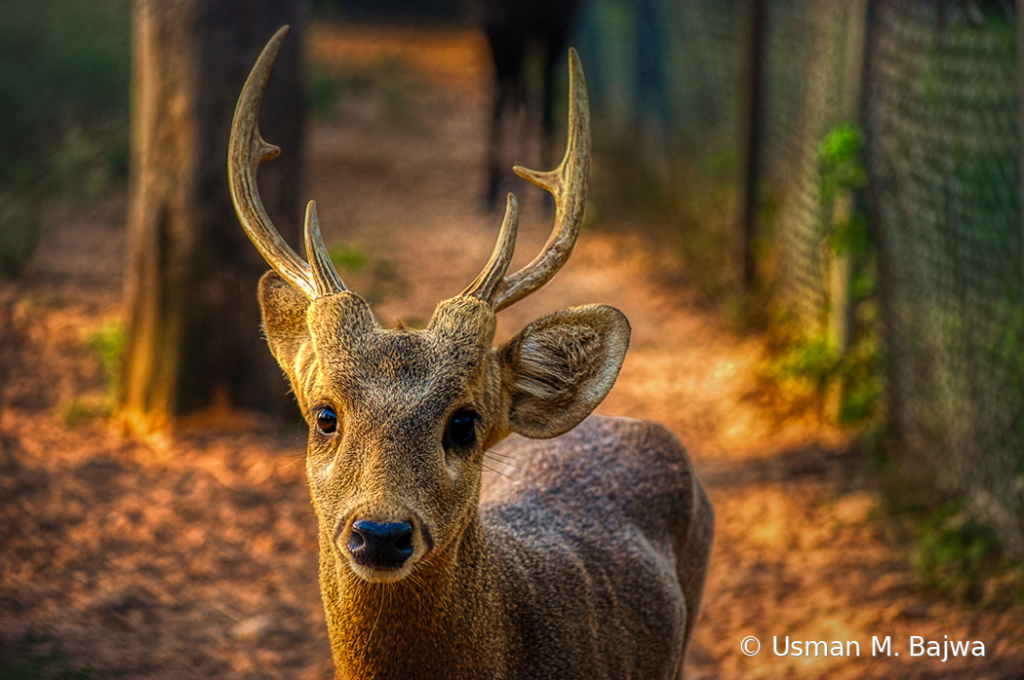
(399, 420)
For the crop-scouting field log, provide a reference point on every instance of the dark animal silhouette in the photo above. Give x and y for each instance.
(516, 30)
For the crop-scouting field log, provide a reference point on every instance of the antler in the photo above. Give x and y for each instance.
(246, 150)
(568, 184)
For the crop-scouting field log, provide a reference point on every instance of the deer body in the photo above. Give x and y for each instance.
(588, 564)
(598, 539)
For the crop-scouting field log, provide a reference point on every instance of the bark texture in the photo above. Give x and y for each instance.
(193, 338)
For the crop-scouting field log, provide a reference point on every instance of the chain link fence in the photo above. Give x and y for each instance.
(664, 84)
(943, 143)
(805, 97)
(933, 84)
(697, 117)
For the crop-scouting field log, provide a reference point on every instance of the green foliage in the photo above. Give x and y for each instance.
(51, 666)
(963, 559)
(348, 257)
(813, 364)
(860, 371)
(814, 360)
(851, 236)
(840, 153)
(64, 74)
(108, 343)
(842, 169)
(62, 64)
(951, 546)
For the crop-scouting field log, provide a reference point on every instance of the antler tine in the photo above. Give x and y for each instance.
(246, 150)
(325, 276)
(486, 285)
(568, 184)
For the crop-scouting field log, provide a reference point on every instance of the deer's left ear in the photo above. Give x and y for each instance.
(284, 321)
(560, 367)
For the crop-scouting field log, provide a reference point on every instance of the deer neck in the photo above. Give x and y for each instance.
(446, 620)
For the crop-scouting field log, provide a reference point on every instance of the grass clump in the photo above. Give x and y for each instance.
(348, 257)
(811, 368)
(952, 554)
(107, 344)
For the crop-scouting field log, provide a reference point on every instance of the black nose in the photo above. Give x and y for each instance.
(379, 545)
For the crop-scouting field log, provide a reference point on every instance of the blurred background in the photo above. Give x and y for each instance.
(809, 210)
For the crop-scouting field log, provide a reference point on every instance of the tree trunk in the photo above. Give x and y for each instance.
(193, 327)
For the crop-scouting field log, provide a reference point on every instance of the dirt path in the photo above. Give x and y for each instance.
(198, 557)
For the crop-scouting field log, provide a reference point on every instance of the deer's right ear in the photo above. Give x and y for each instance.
(560, 367)
(284, 320)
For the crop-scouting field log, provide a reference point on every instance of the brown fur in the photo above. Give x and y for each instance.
(590, 564)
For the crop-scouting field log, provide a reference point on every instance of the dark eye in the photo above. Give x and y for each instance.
(461, 429)
(326, 420)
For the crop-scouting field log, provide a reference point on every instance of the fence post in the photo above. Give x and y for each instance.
(848, 202)
(751, 129)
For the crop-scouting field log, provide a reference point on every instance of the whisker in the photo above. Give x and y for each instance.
(497, 472)
(384, 587)
(502, 462)
(503, 455)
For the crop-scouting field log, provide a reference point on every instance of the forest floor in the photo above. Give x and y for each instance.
(195, 555)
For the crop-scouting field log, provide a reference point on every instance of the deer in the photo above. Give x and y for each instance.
(589, 563)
